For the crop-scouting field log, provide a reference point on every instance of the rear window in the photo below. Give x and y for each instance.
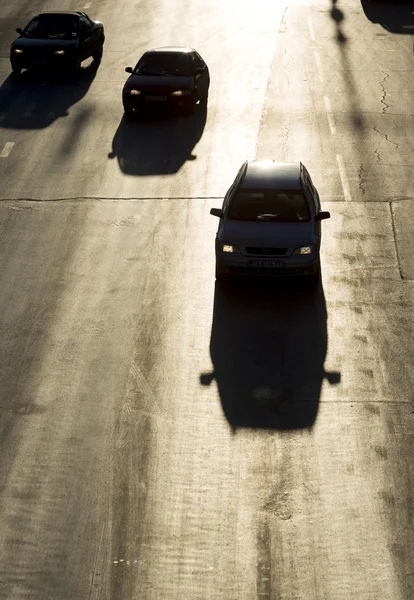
(269, 205)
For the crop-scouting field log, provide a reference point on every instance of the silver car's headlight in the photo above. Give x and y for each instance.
(229, 248)
(309, 249)
(18, 51)
(181, 93)
(134, 92)
(59, 52)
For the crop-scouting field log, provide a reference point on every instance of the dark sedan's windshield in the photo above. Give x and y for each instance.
(160, 63)
(269, 205)
(56, 27)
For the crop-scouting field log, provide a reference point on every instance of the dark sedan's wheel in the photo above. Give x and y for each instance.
(315, 278)
(128, 114)
(192, 104)
(16, 70)
(221, 275)
(97, 55)
(76, 65)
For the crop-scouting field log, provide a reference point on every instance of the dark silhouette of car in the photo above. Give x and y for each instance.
(57, 40)
(170, 77)
(270, 223)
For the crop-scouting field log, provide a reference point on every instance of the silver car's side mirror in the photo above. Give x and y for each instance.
(217, 212)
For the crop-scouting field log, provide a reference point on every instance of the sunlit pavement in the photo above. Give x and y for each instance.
(165, 437)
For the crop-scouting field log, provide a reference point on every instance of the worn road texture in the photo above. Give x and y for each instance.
(165, 438)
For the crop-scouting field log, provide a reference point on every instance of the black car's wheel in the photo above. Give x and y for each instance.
(16, 70)
(192, 104)
(128, 114)
(97, 55)
(76, 65)
(221, 275)
(315, 278)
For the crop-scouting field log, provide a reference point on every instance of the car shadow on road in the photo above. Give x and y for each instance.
(395, 16)
(157, 144)
(268, 347)
(35, 100)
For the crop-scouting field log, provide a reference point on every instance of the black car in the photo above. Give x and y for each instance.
(171, 77)
(57, 40)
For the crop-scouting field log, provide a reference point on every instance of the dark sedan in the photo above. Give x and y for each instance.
(270, 223)
(171, 77)
(57, 40)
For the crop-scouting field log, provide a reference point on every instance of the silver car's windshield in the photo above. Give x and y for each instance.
(269, 205)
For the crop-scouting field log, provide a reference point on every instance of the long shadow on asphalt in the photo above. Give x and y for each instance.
(395, 16)
(157, 144)
(268, 347)
(35, 100)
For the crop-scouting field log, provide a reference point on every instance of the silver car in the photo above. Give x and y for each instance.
(270, 222)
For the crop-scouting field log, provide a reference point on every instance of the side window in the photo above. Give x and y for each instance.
(90, 22)
(311, 190)
(84, 26)
(232, 187)
(199, 62)
(227, 197)
(192, 63)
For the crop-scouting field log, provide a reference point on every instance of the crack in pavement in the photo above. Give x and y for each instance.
(384, 93)
(386, 137)
(378, 155)
(361, 180)
(285, 143)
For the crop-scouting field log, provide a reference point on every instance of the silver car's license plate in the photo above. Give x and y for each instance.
(151, 98)
(266, 264)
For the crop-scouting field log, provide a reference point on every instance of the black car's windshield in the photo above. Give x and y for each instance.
(56, 27)
(269, 205)
(167, 63)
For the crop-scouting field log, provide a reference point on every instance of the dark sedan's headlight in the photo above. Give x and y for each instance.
(181, 93)
(309, 249)
(132, 92)
(60, 52)
(17, 51)
(228, 248)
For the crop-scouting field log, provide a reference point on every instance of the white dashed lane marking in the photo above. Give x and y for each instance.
(319, 66)
(6, 150)
(311, 29)
(330, 115)
(344, 178)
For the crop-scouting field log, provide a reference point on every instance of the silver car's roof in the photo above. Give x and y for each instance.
(270, 174)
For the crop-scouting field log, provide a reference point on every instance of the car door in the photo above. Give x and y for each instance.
(202, 76)
(87, 38)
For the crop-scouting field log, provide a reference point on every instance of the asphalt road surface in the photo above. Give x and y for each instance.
(164, 438)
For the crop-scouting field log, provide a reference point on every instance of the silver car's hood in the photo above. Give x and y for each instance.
(267, 233)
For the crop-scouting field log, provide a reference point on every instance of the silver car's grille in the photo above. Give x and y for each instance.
(266, 251)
